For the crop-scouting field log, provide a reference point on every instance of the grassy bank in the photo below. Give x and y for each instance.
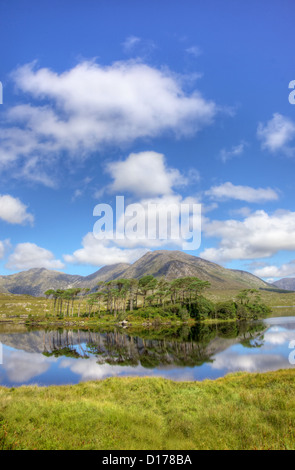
(240, 411)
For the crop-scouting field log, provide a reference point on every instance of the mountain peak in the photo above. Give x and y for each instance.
(161, 263)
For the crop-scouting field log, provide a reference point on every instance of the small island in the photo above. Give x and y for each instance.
(152, 301)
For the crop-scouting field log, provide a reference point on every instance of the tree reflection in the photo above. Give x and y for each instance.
(179, 346)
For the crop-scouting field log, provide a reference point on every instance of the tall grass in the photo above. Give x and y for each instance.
(240, 411)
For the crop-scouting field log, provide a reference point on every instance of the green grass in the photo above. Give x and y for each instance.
(19, 305)
(240, 411)
(269, 297)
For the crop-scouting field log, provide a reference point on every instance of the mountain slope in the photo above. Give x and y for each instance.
(168, 264)
(175, 264)
(37, 281)
(286, 283)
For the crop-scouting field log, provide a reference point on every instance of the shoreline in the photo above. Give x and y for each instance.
(125, 325)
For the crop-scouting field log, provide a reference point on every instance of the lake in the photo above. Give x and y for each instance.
(63, 356)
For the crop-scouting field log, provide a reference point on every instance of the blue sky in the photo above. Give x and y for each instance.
(96, 93)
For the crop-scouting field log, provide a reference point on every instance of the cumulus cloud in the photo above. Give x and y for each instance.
(103, 253)
(144, 174)
(13, 211)
(241, 193)
(90, 106)
(260, 235)
(158, 217)
(29, 255)
(233, 362)
(158, 222)
(277, 134)
(92, 369)
(285, 270)
(21, 366)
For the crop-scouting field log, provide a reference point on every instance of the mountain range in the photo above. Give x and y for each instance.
(286, 283)
(168, 264)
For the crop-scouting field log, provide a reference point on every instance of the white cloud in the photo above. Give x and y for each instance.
(286, 270)
(29, 255)
(142, 226)
(103, 253)
(13, 211)
(241, 193)
(154, 215)
(241, 212)
(22, 366)
(91, 106)
(276, 337)
(144, 174)
(233, 362)
(235, 151)
(277, 134)
(259, 235)
(151, 217)
(92, 369)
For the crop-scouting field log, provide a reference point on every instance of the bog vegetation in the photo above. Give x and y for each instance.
(153, 300)
(241, 411)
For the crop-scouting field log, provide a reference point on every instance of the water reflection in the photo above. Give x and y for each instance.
(203, 351)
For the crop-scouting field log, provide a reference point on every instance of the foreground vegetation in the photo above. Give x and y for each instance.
(240, 411)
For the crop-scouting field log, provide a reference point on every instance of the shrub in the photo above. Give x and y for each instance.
(226, 310)
(252, 311)
(201, 309)
(173, 309)
(150, 312)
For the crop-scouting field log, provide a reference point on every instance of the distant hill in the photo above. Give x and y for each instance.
(286, 283)
(37, 281)
(168, 264)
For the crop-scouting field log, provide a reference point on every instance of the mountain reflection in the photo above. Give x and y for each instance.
(63, 356)
(182, 346)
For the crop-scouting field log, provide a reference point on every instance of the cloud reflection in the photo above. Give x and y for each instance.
(21, 366)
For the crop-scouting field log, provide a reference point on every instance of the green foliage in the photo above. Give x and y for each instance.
(226, 310)
(151, 312)
(201, 309)
(148, 298)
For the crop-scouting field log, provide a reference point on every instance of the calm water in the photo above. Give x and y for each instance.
(46, 357)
